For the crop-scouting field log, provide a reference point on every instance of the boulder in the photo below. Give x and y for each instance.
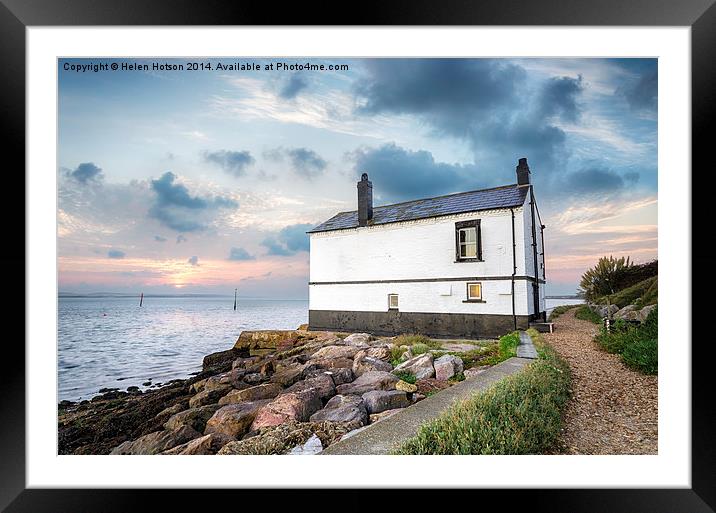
(289, 375)
(254, 378)
(255, 393)
(234, 419)
(341, 375)
(419, 366)
(222, 359)
(219, 381)
(332, 363)
(331, 352)
(207, 444)
(373, 380)
(380, 352)
(197, 386)
(644, 312)
(363, 364)
(322, 383)
(157, 442)
(377, 401)
(193, 417)
(209, 396)
(168, 412)
(406, 387)
(245, 363)
(376, 417)
(623, 313)
(447, 366)
(312, 446)
(358, 339)
(343, 408)
(268, 341)
(297, 406)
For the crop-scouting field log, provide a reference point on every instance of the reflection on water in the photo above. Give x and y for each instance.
(111, 342)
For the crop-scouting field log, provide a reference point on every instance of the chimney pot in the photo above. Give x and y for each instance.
(523, 172)
(365, 200)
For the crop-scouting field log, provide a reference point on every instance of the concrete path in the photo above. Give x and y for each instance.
(388, 434)
(526, 349)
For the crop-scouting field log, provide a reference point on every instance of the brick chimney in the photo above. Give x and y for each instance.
(365, 200)
(523, 172)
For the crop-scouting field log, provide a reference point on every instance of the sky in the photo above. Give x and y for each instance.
(183, 181)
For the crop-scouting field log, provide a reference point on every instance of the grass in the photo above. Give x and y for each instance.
(522, 414)
(643, 293)
(559, 310)
(406, 376)
(637, 345)
(587, 314)
(419, 344)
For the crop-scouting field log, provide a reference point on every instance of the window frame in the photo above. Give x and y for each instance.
(467, 293)
(461, 225)
(397, 299)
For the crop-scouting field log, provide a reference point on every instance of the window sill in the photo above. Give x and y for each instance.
(474, 301)
(464, 260)
(392, 309)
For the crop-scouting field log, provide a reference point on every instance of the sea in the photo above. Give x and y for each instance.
(110, 342)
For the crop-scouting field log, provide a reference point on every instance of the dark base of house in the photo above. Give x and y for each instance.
(442, 325)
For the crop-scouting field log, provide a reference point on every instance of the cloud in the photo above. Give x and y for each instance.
(175, 208)
(399, 174)
(305, 162)
(596, 180)
(559, 98)
(87, 172)
(292, 87)
(233, 162)
(289, 241)
(193, 260)
(240, 254)
(159, 238)
(115, 253)
(641, 92)
(181, 238)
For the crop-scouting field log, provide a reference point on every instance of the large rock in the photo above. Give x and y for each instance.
(447, 366)
(420, 366)
(406, 387)
(624, 312)
(234, 419)
(377, 401)
(332, 363)
(312, 446)
(374, 380)
(380, 352)
(157, 442)
(343, 408)
(231, 378)
(209, 396)
(377, 417)
(297, 406)
(220, 360)
(289, 375)
(331, 352)
(363, 364)
(207, 444)
(172, 410)
(341, 375)
(193, 417)
(269, 341)
(644, 312)
(256, 393)
(322, 383)
(358, 339)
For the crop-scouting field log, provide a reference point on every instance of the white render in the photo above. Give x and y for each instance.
(424, 249)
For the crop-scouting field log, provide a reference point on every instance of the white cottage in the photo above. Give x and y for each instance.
(463, 265)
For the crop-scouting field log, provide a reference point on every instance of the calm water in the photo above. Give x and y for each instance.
(550, 304)
(111, 342)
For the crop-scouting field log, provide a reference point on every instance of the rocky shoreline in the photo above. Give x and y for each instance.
(274, 392)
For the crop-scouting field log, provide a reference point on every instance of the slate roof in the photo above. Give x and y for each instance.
(507, 196)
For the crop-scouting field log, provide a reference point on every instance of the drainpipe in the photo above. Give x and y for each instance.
(535, 289)
(514, 268)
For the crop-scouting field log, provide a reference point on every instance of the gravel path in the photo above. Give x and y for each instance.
(613, 408)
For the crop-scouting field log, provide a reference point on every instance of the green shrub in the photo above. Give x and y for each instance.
(506, 348)
(412, 339)
(604, 278)
(642, 355)
(642, 294)
(406, 376)
(587, 314)
(419, 349)
(522, 414)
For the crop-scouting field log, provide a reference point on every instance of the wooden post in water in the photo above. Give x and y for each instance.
(235, 299)
(141, 298)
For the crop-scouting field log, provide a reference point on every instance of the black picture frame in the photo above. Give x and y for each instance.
(17, 15)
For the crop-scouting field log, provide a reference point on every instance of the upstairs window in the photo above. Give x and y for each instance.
(392, 301)
(468, 241)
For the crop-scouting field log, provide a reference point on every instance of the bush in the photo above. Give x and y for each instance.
(604, 278)
(587, 314)
(412, 339)
(642, 355)
(506, 348)
(642, 293)
(522, 414)
(637, 345)
(406, 376)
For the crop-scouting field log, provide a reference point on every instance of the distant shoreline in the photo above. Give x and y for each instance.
(119, 295)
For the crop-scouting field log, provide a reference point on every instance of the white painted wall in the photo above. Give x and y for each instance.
(421, 249)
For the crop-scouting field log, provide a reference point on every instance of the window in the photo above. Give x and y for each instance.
(392, 301)
(468, 241)
(474, 291)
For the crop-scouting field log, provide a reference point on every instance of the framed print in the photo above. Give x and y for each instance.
(422, 247)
